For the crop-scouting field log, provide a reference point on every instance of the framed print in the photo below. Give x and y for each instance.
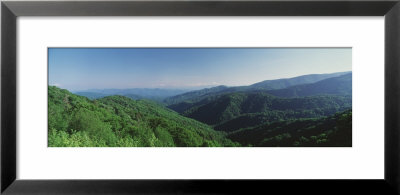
(199, 97)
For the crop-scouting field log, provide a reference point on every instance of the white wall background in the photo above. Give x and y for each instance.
(365, 160)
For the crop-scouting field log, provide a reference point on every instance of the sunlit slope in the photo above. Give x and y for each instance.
(119, 121)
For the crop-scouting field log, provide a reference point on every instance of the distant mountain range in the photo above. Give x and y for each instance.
(305, 79)
(340, 85)
(134, 93)
(173, 96)
(301, 86)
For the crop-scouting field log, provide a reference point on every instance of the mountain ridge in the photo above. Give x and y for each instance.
(259, 86)
(340, 85)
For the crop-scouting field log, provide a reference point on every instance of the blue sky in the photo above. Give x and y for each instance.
(100, 68)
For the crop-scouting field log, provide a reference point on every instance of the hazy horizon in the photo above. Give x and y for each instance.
(83, 69)
(187, 88)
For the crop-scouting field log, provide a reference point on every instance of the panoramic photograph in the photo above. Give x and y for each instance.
(199, 97)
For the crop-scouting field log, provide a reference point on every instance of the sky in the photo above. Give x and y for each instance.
(185, 68)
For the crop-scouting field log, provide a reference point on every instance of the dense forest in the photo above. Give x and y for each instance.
(310, 110)
(118, 121)
(326, 131)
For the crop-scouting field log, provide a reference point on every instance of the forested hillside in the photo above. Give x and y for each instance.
(236, 110)
(310, 110)
(119, 121)
(327, 131)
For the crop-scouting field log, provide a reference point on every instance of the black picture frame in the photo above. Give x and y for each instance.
(11, 10)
